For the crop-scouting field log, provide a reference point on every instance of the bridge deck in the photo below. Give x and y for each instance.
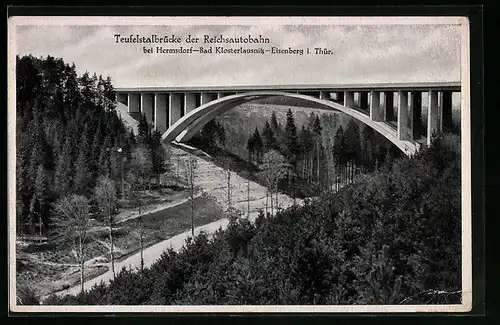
(422, 86)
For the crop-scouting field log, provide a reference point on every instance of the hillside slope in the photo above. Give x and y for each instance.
(393, 237)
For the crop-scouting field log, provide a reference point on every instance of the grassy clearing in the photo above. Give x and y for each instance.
(47, 267)
(162, 225)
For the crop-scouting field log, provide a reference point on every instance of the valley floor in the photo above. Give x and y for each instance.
(167, 225)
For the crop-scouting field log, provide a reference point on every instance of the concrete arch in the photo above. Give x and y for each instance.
(188, 125)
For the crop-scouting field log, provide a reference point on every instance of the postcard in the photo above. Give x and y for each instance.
(239, 164)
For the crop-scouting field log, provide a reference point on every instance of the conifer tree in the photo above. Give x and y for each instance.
(62, 120)
(21, 190)
(109, 91)
(143, 131)
(352, 147)
(292, 141)
(72, 95)
(338, 155)
(82, 179)
(367, 149)
(40, 196)
(317, 135)
(258, 144)
(254, 145)
(62, 181)
(86, 86)
(104, 157)
(274, 124)
(28, 83)
(269, 138)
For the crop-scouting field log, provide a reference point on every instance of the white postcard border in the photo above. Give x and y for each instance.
(225, 20)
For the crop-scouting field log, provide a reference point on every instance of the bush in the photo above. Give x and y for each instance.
(27, 296)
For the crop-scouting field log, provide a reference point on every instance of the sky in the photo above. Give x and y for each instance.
(361, 54)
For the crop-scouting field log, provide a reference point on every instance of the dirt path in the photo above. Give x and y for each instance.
(209, 179)
(134, 215)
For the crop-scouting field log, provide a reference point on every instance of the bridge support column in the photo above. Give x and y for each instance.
(389, 106)
(175, 108)
(147, 106)
(339, 97)
(315, 94)
(376, 112)
(161, 112)
(363, 100)
(349, 99)
(446, 108)
(189, 102)
(324, 95)
(198, 99)
(134, 103)
(204, 98)
(416, 109)
(433, 116)
(122, 98)
(405, 120)
(219, 95)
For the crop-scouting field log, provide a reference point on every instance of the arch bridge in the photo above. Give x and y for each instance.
(394, 110)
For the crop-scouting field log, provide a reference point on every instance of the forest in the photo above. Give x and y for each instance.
(70, 142)
(392, 237)
(321, 153)
(378, 230)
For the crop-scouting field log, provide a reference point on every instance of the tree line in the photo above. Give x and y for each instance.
(392, 237)
(75, 159)
(69, 137)
(321, 154)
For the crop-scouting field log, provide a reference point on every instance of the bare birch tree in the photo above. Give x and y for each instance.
(248, 195)
(274, 168)
(71, 222)
(140, 225)
(106, 198)
(142, 164)
(226, 164)
(191, 166)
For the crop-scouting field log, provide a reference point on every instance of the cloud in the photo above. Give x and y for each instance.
(368, 53)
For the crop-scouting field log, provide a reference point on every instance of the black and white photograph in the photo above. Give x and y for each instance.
(245, 164)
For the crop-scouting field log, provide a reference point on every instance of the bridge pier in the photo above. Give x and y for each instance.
(189, 102)
(349, 99)
(376, 111)
(224, 94)
(363, 100)
(446, 111)
(208, 97)
(161, 112)
(389, 106)
(204, 98)
(433, 116)
(197, 99)
(324, 95)
(416, 109)
(405, 120)
(339, 97)
(134, 103)
(147, 104)
(175, 108)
